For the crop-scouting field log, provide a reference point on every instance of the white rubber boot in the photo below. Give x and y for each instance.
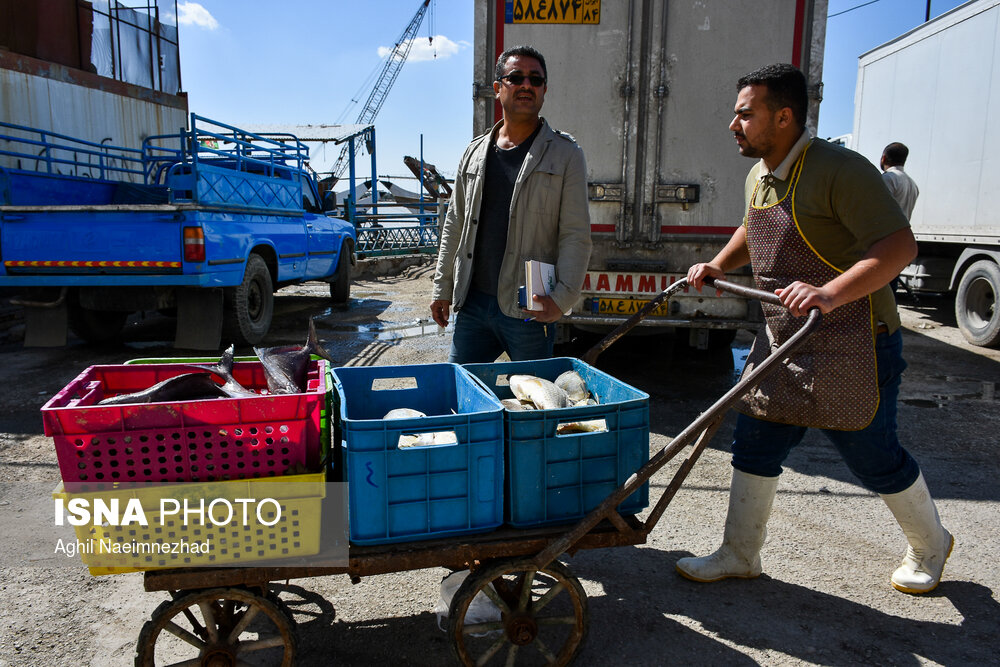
(750, 500)
(929, 543)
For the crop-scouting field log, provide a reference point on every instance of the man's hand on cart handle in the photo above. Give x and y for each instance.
(698, 274)
(800, 297)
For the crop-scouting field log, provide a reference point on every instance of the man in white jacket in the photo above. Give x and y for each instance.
(520, 194)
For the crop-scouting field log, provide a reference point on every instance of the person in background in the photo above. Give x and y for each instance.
(902, 188)
(820, 231)
(520, 194)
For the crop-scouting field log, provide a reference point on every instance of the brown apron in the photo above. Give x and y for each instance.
(832, 380)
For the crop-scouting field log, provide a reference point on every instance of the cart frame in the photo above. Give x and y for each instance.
(506, 552)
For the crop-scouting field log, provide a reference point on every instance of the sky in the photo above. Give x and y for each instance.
(314, 61)
(852, 32)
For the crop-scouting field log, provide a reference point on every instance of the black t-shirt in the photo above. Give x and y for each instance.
(502, 168)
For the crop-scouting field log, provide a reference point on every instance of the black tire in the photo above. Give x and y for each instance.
(250, 305)
(95, 326)
(976, 310)
(340, 286)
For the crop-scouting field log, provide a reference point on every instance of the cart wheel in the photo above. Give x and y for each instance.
(217, 628)
(543, 615)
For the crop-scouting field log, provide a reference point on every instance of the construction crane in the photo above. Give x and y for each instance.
(393, 64)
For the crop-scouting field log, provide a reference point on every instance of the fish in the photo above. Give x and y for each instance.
(586, 401)
(403, 413)
(517, 405)
(224, 369)
(438, 439)
(543, 393)
(186, 387)
(285, 366)
(574, 385)
(588, 426)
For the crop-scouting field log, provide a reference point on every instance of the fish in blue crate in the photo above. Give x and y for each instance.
(569, 390)
(408, 440)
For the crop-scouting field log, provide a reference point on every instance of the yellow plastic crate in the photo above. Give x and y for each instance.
(296, 532)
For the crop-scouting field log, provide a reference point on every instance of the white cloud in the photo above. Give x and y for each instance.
(441, 47)
(191, 13)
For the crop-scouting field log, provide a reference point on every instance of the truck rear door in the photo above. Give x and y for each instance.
(647, 88)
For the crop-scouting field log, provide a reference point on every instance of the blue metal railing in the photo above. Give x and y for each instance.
(32, 149)
(398, 233)
(215, 142)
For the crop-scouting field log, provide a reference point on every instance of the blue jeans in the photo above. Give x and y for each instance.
(873, 454)
(483, 333)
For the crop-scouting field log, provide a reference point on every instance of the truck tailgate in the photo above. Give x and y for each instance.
(97, 239)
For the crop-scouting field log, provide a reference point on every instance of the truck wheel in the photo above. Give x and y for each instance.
(95, 326)
(340, 287)
(250, 305)
(976, 309)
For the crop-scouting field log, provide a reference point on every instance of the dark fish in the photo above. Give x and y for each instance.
(285, 366)
(187, 387)
(224, 369)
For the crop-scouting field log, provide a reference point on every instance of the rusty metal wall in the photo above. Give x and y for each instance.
(83, 112)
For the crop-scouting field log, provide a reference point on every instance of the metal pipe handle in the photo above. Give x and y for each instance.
(744, 291)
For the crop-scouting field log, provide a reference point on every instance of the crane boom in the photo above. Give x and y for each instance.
(380, 91)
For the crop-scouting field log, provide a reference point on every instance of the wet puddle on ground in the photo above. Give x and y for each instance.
(389, 331)
(740, 354)
(987, 392)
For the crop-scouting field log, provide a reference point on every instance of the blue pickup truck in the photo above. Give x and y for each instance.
(206, 223)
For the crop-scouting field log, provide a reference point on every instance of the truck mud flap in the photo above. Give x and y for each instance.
(45, 322)
(199, 319)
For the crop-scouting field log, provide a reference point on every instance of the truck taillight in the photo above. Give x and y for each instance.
(194, 244)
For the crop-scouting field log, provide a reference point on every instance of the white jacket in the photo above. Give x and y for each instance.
(549, 221)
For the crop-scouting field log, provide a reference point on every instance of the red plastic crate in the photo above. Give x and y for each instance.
(182, 441)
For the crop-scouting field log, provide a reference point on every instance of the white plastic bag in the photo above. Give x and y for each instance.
(481, 609)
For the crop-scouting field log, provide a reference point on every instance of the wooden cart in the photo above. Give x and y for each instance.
(230, 616)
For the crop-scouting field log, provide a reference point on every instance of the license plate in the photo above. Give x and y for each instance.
(630, 307)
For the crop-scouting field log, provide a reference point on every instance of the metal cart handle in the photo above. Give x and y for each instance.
(742, 290)
(703, 428)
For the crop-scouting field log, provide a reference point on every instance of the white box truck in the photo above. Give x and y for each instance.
(647, 88)
(937, 90)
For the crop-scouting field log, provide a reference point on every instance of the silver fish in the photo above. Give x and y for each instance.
(285, 366)
(512, 404)
(574, 385)
(543, 393)
(439, 439)
(403, 413)
(186, 387)
(588, 426)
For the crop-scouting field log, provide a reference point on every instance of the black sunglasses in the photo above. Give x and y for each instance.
(518, 79)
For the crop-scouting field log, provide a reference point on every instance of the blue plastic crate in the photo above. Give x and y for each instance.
(420, 492)
(554, 478)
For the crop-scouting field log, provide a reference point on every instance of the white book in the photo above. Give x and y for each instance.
(540, 279)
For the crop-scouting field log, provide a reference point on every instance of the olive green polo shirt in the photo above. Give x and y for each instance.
(841, 205)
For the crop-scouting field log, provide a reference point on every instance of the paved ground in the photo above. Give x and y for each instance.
(824, 598)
